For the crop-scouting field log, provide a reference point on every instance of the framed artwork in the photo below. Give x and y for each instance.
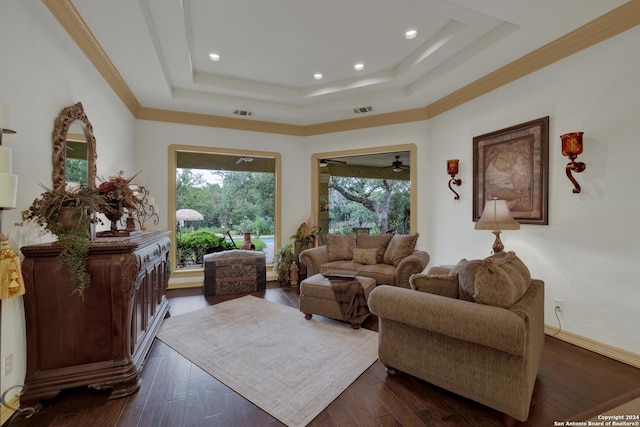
(512, 164)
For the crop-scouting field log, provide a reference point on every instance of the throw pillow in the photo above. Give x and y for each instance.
(501, 280)
(365, 256)
(400, 247)
(340, 247)
(466, 273)
(380, 242)
(439, 284)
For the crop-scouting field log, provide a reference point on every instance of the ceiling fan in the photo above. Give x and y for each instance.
(244, 160)
(325, 162)
(398, 166)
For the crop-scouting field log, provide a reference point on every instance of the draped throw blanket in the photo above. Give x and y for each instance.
(350, 296)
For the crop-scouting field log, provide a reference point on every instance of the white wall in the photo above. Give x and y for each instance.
(587, 253)
(42, 71)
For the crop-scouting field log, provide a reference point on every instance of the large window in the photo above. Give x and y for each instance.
(371, 190)
(217, 195)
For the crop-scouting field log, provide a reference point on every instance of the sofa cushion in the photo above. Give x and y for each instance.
(439, 284)
(380, 242)
(501, 280)
(400, 247)
(340, 247)
(466, 273)
(365, 256)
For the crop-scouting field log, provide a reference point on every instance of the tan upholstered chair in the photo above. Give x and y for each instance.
(489, 354)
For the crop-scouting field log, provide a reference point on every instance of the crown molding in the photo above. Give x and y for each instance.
(68, 16)
(602, 28)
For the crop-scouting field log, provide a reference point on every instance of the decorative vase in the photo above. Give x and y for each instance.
(69, 217)
(113, 215)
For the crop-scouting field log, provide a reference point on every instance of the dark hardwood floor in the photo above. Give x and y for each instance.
(174, 392)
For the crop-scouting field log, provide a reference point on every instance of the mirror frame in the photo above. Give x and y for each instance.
(68, 116)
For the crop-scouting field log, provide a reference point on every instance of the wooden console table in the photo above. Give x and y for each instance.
(101, 341)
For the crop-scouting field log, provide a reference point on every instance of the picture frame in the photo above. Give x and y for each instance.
(513, 164)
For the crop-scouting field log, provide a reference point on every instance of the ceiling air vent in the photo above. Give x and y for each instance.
(360, 110)
(242, 112)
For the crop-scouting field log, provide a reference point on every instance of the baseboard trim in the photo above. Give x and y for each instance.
(6, 413)
(610, 351)
(183, 285)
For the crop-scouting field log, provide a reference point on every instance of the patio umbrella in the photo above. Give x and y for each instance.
(188, 215)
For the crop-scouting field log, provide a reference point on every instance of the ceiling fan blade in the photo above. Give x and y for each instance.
(244, 159)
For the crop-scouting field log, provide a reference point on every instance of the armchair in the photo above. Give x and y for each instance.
(486, 353)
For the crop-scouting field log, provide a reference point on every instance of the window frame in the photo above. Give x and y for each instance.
(183, 276)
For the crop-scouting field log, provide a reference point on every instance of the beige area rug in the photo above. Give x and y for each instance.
(628, 413)
(288, 366)
(625, 406)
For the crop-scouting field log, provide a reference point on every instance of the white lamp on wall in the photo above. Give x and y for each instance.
(8, 181)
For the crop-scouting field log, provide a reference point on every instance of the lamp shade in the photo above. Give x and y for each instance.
(5, 119)
(496, 216)
(8, 180)
(8, 190)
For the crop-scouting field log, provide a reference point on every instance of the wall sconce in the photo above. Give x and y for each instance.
(8, 180)
(452, 169)
(571, 147)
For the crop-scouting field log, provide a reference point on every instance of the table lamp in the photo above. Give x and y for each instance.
(496, 217)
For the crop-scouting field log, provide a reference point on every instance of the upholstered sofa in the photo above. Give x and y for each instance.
(475, 329)
(389, 259)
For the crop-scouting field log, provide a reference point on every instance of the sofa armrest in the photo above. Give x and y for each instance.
(485, 325)
(313, 258)
(440, 269)
(414, 263)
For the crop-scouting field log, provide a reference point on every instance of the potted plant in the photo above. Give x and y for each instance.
(66, 213)
(282, 260)
(304, 238)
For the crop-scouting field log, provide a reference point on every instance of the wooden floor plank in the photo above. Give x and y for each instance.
(178, 393)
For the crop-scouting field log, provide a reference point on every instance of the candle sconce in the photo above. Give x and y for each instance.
(571, 147)
(452, 169)
(147, 209)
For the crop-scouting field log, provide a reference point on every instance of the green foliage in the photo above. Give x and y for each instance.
(244, 201)
(192, 247)
(383, 205)
(76, 171)
(74, 239)
(305, 236)
(282, 259)
(75, 248)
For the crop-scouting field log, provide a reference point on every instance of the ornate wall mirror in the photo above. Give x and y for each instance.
(74, 148)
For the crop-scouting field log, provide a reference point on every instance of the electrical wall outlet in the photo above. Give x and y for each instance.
(7, 365)
(559, 305)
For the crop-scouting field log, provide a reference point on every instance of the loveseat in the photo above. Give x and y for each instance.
(389, 259)
(475, 329)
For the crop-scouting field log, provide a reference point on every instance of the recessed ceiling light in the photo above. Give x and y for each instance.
(359, 66)
(410, 34)
(214, 57)
(318, 76)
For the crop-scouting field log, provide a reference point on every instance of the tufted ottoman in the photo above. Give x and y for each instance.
(234, 272)
(317, 297)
